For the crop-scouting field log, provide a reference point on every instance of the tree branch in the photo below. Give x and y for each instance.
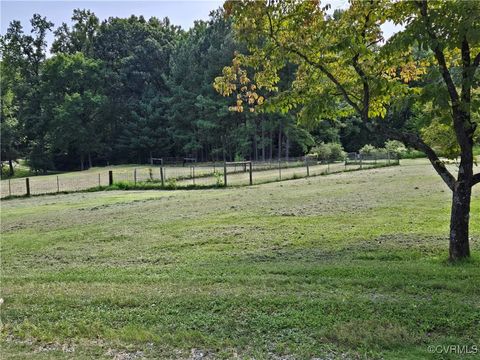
(476, 179)
(413, 140)
(316, 65)
(439, 55)
(366, 87)
(476, 62)
(463, 131)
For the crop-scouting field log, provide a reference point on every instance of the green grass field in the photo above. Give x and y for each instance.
(345, 266)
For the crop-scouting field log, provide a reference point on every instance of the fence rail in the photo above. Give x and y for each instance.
(198, 174)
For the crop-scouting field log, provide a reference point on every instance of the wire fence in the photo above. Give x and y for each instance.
(183, 175)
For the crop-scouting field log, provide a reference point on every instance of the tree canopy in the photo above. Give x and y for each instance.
(345, 67)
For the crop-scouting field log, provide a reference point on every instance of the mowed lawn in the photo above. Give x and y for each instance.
(343, 266)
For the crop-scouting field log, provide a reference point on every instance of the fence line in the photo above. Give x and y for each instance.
(193, 174)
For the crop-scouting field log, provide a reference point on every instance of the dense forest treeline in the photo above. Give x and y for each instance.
(126, 89)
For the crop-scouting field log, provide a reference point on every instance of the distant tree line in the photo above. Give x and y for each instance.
(126, 89)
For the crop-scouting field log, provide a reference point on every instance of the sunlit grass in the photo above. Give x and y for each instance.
(350, 265)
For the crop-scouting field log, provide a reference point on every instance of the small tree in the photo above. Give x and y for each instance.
(368, 149)
(395, 147)
(322, 152)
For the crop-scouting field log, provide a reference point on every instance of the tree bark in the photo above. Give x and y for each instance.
(271, 145)
(255, 143)
(81, 162)
(263, 142)
(10, 166)
(287, 146)
(280, 143)
(460, 215)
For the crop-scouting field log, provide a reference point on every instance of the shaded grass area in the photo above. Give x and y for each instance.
(350, 265)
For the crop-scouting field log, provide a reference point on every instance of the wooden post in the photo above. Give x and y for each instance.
(279, 170)
(58, 185)
(27, 185)
(135, 176)
(308, 168)
(110, 177)
(161, 175)
(250, 169)
(225, 174)
(193, 174)
(99, 180)
(388, 157)
(9, 188)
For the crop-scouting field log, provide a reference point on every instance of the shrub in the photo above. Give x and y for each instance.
(218, 178)
(395, 147)
(239, 157)
(171, 183)
(368, 150)
(337, 152)
(328, 152)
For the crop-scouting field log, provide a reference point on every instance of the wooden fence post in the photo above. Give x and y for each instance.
(9, 188)
(110, 177)
(225, 174)
(135, 176)
(27, 185)
(279, 170)
(58, 185)
(250, 169)
(161, 175)
(99, 180)
(308, 168)
(193, 174)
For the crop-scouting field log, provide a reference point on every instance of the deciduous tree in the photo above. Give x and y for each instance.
(344, 68)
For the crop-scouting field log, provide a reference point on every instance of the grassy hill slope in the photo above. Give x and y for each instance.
(345, 266)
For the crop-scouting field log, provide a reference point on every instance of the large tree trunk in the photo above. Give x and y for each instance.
(459, 244)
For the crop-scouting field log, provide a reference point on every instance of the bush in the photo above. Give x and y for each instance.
(337, 152)
(395, 147)
(171, 183)
(368, 150)
(218, 178)
(328, 152)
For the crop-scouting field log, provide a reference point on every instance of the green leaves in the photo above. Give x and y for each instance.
(336, 55)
